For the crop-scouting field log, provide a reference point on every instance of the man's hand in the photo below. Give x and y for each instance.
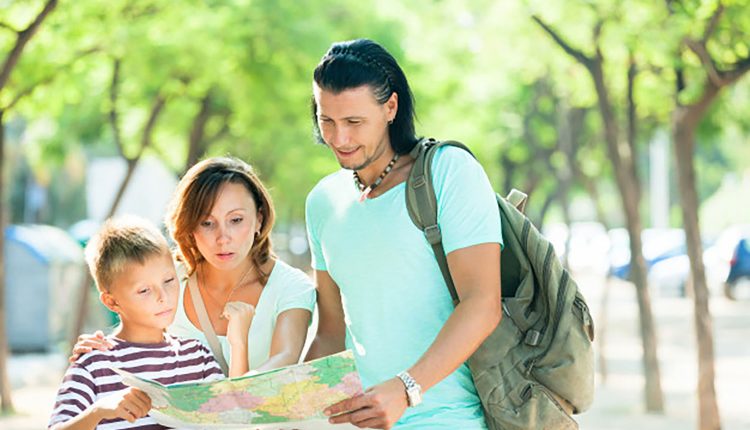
(379, 407)
(129, 404)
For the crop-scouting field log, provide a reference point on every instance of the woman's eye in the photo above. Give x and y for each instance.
(206, 224)
(237, 220)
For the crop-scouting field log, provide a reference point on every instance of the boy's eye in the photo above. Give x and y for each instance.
(169, 281)
(143, 291)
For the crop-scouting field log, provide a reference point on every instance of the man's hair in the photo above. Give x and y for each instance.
(119, 242)
(195, 196)
(354, 63)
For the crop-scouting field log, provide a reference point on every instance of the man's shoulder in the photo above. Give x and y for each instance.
(329, 187)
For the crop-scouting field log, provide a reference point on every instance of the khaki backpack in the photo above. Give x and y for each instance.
(536, 368)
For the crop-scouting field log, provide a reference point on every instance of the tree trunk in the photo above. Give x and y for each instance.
(685, 121)
(627, 183)
(6, 401)
(196, 141)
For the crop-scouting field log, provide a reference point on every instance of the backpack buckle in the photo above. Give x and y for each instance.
(532, 338)
(433, 235)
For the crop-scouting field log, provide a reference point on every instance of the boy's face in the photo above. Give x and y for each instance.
(145, 296)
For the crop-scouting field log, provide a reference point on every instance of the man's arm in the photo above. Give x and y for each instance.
(331, 333)
(476, 275)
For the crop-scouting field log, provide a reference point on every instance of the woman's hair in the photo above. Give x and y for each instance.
(195, 196)
(359, 62)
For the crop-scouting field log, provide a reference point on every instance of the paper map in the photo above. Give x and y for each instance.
(287, 398)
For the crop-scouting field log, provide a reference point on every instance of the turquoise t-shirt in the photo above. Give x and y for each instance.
(392, 291)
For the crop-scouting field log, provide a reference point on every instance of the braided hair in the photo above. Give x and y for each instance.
(359, 62)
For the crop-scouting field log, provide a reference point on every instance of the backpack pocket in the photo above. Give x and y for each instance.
(567, 367)
(529, 406)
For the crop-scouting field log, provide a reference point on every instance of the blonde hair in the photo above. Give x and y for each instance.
(195, 196)
(121, 241)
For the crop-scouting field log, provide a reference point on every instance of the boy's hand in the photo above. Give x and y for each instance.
(129, 404)
(240, 316)
(89, 342)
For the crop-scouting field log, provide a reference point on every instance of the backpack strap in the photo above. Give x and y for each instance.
(421, 202)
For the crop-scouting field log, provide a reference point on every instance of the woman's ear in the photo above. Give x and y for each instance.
(109, 301)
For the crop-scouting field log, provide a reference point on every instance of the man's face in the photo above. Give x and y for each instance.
(354, 125)
(145, 297)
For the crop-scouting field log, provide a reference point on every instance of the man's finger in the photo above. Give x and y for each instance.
(350, 404)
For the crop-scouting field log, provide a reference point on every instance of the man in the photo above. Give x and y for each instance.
(380, 290)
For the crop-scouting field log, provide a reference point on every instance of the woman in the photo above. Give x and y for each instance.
(221, 219)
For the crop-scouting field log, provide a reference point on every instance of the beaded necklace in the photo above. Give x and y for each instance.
(365, 190)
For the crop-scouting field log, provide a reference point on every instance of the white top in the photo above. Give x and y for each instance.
(287, 288)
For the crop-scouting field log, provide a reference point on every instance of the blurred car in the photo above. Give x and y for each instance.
(739, 268)
(658, 244)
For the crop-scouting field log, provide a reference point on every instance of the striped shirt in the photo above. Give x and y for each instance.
(90, 378)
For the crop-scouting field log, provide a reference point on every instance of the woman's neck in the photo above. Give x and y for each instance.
(224, 280)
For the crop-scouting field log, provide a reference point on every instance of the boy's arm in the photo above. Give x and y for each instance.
(331, 333)
(130, 405)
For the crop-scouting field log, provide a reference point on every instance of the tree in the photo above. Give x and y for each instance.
(622, 152)
(722, 54)
(23, 37)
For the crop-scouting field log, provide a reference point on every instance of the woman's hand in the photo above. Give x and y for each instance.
(240, 316)
(89, 342)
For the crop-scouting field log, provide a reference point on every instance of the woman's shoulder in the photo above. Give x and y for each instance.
(284, 273)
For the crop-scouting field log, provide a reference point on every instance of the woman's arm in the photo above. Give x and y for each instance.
(288, 338)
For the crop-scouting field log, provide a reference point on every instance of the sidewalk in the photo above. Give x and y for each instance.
(618, 403)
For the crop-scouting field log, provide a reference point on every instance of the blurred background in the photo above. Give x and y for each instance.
(626, 122)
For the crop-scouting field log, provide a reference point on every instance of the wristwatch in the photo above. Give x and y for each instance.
(413, 389)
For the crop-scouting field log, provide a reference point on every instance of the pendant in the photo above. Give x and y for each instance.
(365, 194)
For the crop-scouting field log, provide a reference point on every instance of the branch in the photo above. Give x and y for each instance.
(712, 23)
(8, 26)
(575, 53)
(21, 40)
(113, 116)
(735, 73)
(49, 78)
(156, 110)
(632, 73)
(699, 48)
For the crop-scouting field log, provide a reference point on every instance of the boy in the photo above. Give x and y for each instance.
(135, 274)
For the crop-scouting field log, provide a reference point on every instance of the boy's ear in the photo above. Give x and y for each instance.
(109, 301)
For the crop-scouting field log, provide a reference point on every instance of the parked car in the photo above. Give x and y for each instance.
(739, 268)
(658, 244)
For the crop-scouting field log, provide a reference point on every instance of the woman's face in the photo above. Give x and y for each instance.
(226, 235)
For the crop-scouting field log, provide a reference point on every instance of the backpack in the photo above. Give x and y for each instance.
(537, 367)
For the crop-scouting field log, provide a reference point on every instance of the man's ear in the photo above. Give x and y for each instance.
(109, 301)
(391, 106)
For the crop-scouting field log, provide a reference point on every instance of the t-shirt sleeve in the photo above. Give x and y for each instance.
(312, 217)
(467, 208)
(297, 293)
(211, 369)
(77, 392)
